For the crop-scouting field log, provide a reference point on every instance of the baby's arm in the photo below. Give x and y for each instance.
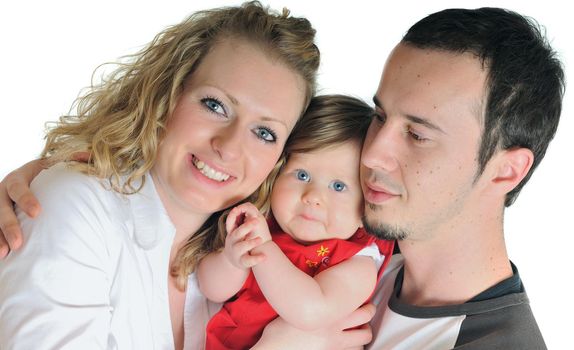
(221, 274)
(310, 303)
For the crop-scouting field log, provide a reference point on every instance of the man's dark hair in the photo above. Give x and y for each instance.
(525, 82)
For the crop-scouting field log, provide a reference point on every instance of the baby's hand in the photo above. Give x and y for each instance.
(246, 229)
(244, 213)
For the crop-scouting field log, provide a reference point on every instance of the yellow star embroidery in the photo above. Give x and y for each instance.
(322, 251)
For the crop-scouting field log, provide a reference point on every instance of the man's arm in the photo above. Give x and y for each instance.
(16, 187)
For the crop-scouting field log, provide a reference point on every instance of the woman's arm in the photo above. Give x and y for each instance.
(221, 274)
(312, 303)
(16, 187)
(55, 290)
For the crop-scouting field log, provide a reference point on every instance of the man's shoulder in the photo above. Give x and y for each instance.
(503, 322)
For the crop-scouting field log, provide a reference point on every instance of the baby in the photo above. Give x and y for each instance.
(311, 263)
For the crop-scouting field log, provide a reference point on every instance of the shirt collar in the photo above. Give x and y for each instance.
(151, 222)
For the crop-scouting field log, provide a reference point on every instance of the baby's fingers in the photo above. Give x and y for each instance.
(249, 260)
(242, 232)
(239, 214)
(243, 247)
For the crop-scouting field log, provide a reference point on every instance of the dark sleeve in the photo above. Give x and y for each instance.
(511, 327)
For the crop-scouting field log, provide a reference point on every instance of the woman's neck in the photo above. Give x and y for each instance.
(185, 221)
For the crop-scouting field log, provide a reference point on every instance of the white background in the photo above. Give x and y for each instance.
(49, 49)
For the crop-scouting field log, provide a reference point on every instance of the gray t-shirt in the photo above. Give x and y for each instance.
(503, 320)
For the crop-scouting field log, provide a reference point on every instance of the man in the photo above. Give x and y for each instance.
(467, 105)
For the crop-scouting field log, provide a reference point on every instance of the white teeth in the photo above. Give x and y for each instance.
(209, 172)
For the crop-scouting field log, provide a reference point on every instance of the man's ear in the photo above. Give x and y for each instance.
(511, 166)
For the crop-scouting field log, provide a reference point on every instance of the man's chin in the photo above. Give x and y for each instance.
(384, 231)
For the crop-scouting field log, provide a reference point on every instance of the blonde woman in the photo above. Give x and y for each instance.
(192, 125)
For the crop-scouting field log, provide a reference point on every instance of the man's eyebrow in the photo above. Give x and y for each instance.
(425, 122)
(413, 118)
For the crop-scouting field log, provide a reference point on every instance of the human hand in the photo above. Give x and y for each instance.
(16, 187)
(246, 229)
(352, 332)
(247, 212)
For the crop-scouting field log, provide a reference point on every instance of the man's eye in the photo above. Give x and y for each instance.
(337, 186)
(416, 137)
(381, 117)
(302, 175)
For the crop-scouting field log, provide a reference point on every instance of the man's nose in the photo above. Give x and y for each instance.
(381, 147)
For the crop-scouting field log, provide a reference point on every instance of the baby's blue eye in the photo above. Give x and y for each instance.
(338, 186)
(302, 175)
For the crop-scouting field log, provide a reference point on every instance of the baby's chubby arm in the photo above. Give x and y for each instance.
(221, 274)
(310, 303)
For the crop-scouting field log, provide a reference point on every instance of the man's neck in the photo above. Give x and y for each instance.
(454, 264)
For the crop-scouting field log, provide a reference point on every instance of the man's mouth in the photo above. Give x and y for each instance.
(377, 194)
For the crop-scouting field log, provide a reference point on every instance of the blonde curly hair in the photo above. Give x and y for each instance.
(121, 121)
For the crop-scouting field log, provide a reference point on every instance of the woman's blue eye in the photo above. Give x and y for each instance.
(265, 134)
(214, 105)
(302, 175)
(338, 186)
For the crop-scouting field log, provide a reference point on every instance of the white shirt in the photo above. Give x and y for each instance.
(93, 272)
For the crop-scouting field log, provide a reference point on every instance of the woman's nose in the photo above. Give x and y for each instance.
(227, 143)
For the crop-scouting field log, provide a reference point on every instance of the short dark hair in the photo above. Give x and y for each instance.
(525, 79)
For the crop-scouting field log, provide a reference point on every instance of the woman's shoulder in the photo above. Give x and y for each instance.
(80, 218)
(61, 181)
(61, 176)
(63, 191)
